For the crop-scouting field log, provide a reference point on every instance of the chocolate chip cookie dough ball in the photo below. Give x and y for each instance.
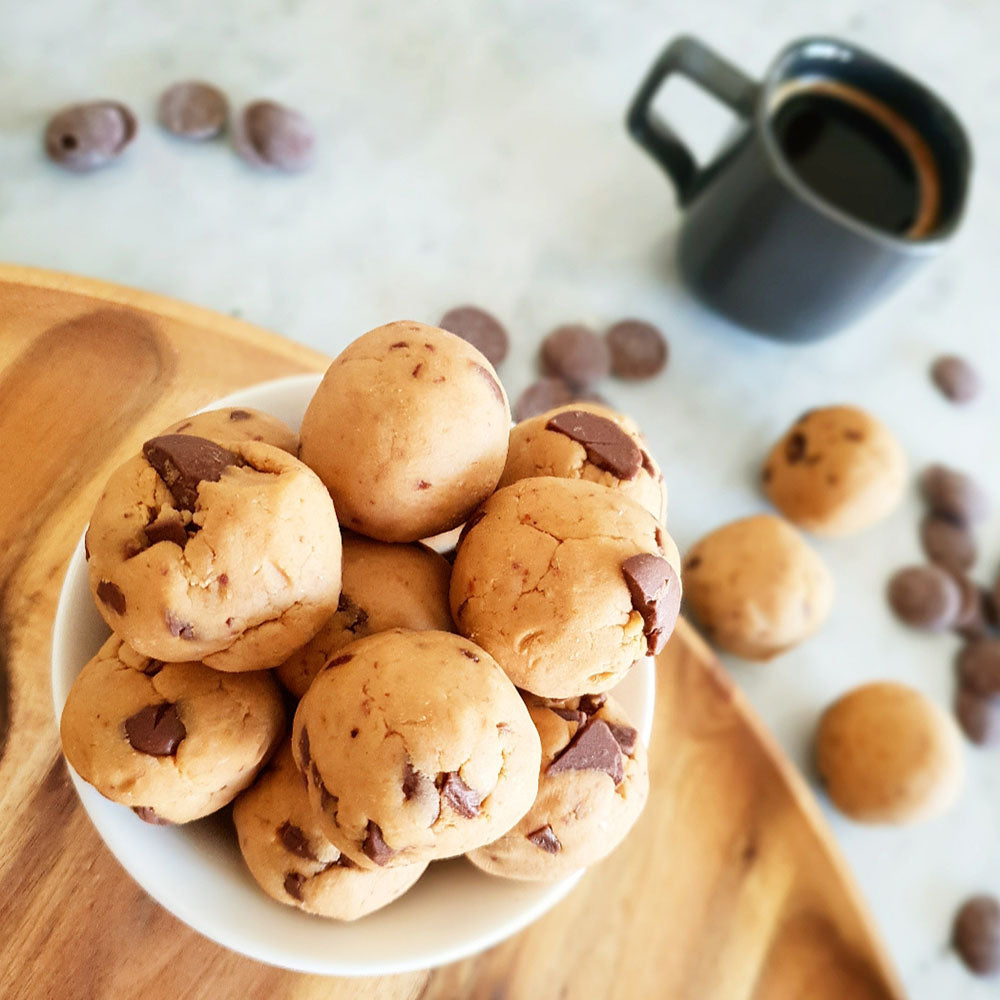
(384, 586)
(291, 859)
(229, 555)
(235, 423)
(591, 442)
(408, 430)
(175, 741)
(415, 746)
(591, 789)
(888, 754)
(756, 587)
(566, 583)
(836, 471)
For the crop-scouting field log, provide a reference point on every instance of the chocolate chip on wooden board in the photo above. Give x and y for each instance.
(925, 597)
(956, 378)
(607, 445)
(656, 595)
(638, 349)
(268, 134)
(954, 494)
(479, 328)
(193, 109)
(183, 461)
(85, 137)
(156, 730)
(975, 934)
(577, 354)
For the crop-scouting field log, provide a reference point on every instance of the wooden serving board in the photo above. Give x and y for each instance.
(730, 887)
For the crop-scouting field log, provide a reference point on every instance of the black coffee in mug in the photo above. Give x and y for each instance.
(845, 175)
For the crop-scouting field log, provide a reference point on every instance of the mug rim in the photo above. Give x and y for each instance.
(923, 246)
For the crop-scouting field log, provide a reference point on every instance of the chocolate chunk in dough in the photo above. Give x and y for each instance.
(294, 840)
(607, 445)
(156, 730)
(656, 595)
(183, 461)
(545, 838)
(168, 527)
(593, 748)
(375, 848)
(112, 596)
(463, 799)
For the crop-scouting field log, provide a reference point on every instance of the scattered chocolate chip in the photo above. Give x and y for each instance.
(577, 354)
(304, 755)
(970, 609)
(606, 444)
(925, 597)
(239, 415)
(978, 621)
(317, 778)
(593, 748)
(956, 378)
(269, 134)
(979, 716)
(656, 595)
(112, 596)
(463, 799)
(148, 815)
(477, 327)
(569, 714)
(338, 661)
(84, 137)
(948, 544)
(494, 385)
(294, 840)
(795, 447)
(156, 730)
(293, 885)
(625, 736)
(541, 396)
(954, 494)
(976, 934)
(545, 838)
(168, 527)
(375, 848)
(193, 110)
(638, 349)
(183, 461)
(177, 628)
(978, 666)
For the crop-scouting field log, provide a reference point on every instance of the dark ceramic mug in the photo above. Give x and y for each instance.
(844, 175)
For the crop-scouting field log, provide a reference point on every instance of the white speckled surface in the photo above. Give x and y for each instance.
(476, 152)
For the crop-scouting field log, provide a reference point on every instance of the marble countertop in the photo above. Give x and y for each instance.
(476, 152)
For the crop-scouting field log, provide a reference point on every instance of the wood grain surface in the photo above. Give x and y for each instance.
(729, 888)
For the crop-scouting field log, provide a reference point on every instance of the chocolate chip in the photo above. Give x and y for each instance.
(545, 838)
(976, 934)
(168, 527)
(979, 716)
(153, 667)
(607, 445)
(293, 885)
(970, 610)
(593, 748)
(851, 434)
(357, 617)
(375, 848)
(638, 349)
(414, 783)
(656, 595)
(978, 666)
(477, 327)
(470, 655)
(269, 134)
(342, 862)
(304, 756)
(570, 714)
(183, 461)
(925, 597)
(178, 628)
(491, 381)
(85, 137)
(294, 840)
(193, 110)
(148, 815)
(463, 799)
(541, 396)
(327, 802)
(156, 730)
(239, 415)
(956, 378)
(338, 661)
(354, 733)
(112, 596)
(948, 544)
(625, 736)
(591, 703)
(795, 447)
(423, 485)
(954, 494)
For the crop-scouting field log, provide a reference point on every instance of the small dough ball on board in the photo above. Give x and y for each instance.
(408, 430)
(888, 754)
(756, 587)
(837, 471)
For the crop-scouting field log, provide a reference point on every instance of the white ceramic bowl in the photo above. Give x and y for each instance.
(196, 870)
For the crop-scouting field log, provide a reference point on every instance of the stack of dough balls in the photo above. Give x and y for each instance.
(285, 642)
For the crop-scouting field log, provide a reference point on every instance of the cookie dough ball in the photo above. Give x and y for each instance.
(756, 587)
(384, 586)
(566, 583)
(236, 423)
(408, 430)
(175, 741)
(888, 754)
(591, 789)
(591, 442)
(836, 471)
(415, 746)
(229, 555)
(293, 862)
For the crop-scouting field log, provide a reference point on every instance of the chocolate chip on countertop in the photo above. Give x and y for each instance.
(168, 527)
(607, 445)
(593, 748)
(979, 716)
(956, 378)
(976, 934)
(577, 354)
(374, 847)
(477, 327)
(183, 461)
(193, 110)
(638, 349)
(948, 544)
(954, 494)
(269, 134)
(156, 730)
(925, 597)
(463, 799)
(656, 595)
(978, 666)
(85, 137)
(111, 595)
(541, 396)
(545, 838)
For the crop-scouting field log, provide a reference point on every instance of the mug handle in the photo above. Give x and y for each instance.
(686, 55)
